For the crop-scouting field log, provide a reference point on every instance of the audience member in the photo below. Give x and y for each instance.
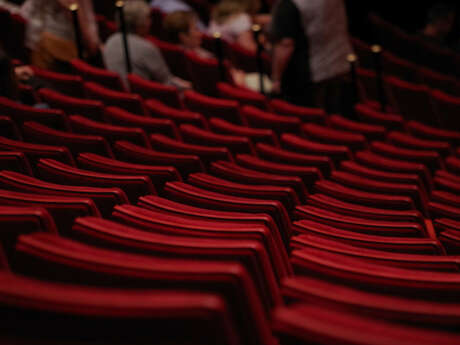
(181, 28)
(52, 34)
(146, 59)
(170, 6)
(440, 22)
(232, 19)
(311, 44)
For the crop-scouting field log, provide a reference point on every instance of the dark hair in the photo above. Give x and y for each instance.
(440, 11)
(178, 22)
(7, 77)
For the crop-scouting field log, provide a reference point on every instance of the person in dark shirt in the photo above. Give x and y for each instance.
(311, 45)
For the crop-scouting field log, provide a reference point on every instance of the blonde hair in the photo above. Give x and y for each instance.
(226, 8)
(135, 12)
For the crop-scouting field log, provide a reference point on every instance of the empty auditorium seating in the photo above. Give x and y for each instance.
(110, 132)
(197, 196)
(158, 109)
(303, 113)
(8, 128)
(21, 113)
(276, 154)
(235, 172)
(68, 84)
(57, 312)
(206, 153)
(366, 114)
(285, 195)
(199, 136)
(302, 145)
(184, 163)
(273, 240)
(371, 132)
(129, 101)
(88, 265)
(157, 173)
(63, 209)
(248, 252)
(104, 198)
(34, 152)
(255, 134)
(15, 161)
(447, 108)
(97, 75)
(168, 94)
(72, 105)
(392, 308)
(150, 125)
(308, 174)
(354, 141)
(133, 185)
(357, 224)
(300, 323)
(76, 143)
(212, 107)
(263, 119)
(398, 244)
(244, 96)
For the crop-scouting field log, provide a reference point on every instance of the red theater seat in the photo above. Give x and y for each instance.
(184, 163)
(76, 143)
(72, 105)
(97, 75)
(199, 136)
(299, 324)
(63, 260)
(68, 84)
(255, 134)
(104, 198)
(150, 125)
(167, 94)
(158, 109)
(15, 161)
(157, 173)
(212, 107)
(409, 245)
(133, 185)
(129, 101)
(21, 113)
(64, 209)
(56, 311)
(110, 132)
(34, 152)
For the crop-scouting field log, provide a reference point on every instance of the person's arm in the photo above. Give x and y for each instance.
(282, 52)
(246, 40)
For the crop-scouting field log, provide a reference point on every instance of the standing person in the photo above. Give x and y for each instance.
(146, 58)
(52, 37)
(311, 44)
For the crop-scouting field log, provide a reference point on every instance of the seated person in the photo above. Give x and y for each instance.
(233, 20)
(169, 6)
(181, 29)
(51, 36)
(440, 22)
(146, 58)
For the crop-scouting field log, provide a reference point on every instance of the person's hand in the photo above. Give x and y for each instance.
(276, 87)
(23, 73)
